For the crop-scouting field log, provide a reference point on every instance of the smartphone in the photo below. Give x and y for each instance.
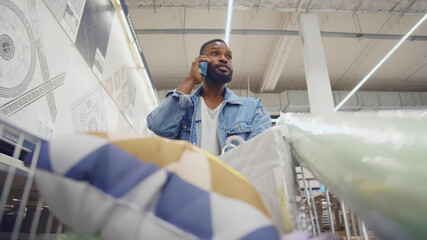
(203, 67)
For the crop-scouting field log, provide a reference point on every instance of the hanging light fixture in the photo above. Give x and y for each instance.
(228, 24)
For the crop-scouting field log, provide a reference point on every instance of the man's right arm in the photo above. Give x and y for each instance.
(165, 120)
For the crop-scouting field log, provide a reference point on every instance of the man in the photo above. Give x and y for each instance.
(213, 112)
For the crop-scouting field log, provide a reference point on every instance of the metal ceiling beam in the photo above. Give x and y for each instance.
(396, 2)
(276, 63)
(368, 49)
(420, 64)
(309, 6)
(276, 32)
(362, 7)
(280, 54)
(409, 6)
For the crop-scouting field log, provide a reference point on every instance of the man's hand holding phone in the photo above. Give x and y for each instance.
(201, 64)
(195, 76)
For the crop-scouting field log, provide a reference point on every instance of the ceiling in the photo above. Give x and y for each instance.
(356, 35)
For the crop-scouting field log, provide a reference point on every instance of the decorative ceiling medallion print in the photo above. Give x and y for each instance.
(17, 51)
(7, 47)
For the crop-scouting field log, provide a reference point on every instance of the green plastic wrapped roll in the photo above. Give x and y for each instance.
(374, 161)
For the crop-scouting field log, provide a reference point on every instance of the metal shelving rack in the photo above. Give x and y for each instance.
(23, 214)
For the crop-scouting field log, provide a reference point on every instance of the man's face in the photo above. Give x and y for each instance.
(220, 68)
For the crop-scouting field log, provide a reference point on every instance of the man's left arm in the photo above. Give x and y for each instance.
(261, 120)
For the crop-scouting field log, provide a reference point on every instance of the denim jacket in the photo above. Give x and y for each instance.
(179, 117)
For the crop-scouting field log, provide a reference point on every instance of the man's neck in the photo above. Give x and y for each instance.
(212, 93)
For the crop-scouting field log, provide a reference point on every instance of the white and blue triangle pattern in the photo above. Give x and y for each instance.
(97, 186)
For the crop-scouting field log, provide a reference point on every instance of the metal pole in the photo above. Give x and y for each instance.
(308, 200)
(48, 226)
(359, 222)
(344, 214)
(26, 192)
(364, 231)
(330, 212)
(10, 175)
(314, 208)
(6, 190)
(35, 222)
(352, 223)
(59, 230)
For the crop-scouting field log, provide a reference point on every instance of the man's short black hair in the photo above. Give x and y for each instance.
(202, 49)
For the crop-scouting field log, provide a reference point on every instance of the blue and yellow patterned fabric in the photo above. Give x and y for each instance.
(123, 187)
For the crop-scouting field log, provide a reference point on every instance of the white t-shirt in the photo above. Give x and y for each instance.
(209, 138)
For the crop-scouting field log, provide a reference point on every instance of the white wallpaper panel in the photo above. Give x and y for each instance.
(66, 66)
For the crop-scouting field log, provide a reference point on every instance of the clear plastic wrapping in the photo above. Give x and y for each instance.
(375, 161)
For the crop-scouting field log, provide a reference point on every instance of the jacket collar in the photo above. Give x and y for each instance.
(229, 96)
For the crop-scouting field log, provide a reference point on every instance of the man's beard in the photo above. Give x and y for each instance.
(217, 77)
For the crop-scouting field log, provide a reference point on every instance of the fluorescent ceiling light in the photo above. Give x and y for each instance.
(156, 97)
(125, 22)
(146, 75)
(380, 63)
(227, 27)
(138, 55)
